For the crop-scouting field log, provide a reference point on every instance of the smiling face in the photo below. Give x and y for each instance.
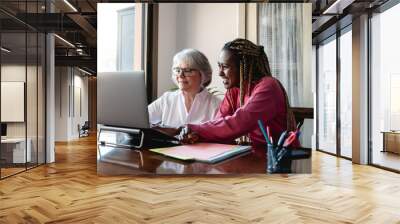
(188, 79)
(228, 66)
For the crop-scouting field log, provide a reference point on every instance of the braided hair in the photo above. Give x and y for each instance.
(252, 60)
(253, 66)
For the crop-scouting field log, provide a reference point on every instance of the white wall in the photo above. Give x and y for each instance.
(15, 72)
(68, 81)
(167, 39)
(203, 26)
(50, 93)
(33, 126)
(80, 82)
(61, 103)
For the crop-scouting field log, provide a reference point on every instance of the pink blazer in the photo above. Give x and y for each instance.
(265, 101)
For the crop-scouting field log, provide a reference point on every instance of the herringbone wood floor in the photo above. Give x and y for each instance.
(69, 191)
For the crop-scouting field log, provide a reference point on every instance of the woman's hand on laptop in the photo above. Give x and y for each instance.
(186, 136)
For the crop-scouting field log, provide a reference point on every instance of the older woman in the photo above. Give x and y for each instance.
(191, 103)
(252, 94)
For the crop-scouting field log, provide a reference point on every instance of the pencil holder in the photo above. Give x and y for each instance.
(278, 159)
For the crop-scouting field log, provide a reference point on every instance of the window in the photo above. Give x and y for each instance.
(120, 37)
(346, 93)
(283, 30)
(327, 96)
(126, 39)
(385, 88)
(335, 74)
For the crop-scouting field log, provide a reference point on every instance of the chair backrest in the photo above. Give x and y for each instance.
(86, 125)
(301, 113)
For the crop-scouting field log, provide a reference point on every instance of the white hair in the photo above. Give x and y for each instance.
(194, 59)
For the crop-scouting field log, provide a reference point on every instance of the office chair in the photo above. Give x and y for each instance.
(84, 130)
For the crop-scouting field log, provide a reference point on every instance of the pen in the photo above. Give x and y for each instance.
(261, 125)
(290, 139)
(282, 139)
(270, 136)
(280, 154)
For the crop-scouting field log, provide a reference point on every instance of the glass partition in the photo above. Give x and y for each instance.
(13, 107)
(22, 91)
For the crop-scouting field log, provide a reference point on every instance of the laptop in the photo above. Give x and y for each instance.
(122, 103)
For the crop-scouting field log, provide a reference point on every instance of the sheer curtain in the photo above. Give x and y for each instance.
(285, 31)
(281, 32)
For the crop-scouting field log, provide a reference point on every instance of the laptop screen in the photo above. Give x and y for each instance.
(122, 99)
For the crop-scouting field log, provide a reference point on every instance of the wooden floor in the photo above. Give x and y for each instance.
(10, 171)
(70, 191)
(386, 159)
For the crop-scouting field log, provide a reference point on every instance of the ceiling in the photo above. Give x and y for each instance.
(76, 26)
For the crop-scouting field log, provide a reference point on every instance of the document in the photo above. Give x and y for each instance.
(203, 152)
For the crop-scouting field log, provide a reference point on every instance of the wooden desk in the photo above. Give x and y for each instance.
(122, 161)
(391, 141)
(13, 150)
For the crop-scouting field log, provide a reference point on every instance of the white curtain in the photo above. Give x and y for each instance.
(281, 28)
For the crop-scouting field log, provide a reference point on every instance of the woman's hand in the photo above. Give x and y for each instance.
(168, 130)
(187, 136)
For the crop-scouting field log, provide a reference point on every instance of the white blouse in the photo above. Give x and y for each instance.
(169, 109)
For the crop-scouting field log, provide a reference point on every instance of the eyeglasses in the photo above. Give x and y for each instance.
(186, 71)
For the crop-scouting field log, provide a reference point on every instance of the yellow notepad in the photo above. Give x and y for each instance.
(203, 152)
